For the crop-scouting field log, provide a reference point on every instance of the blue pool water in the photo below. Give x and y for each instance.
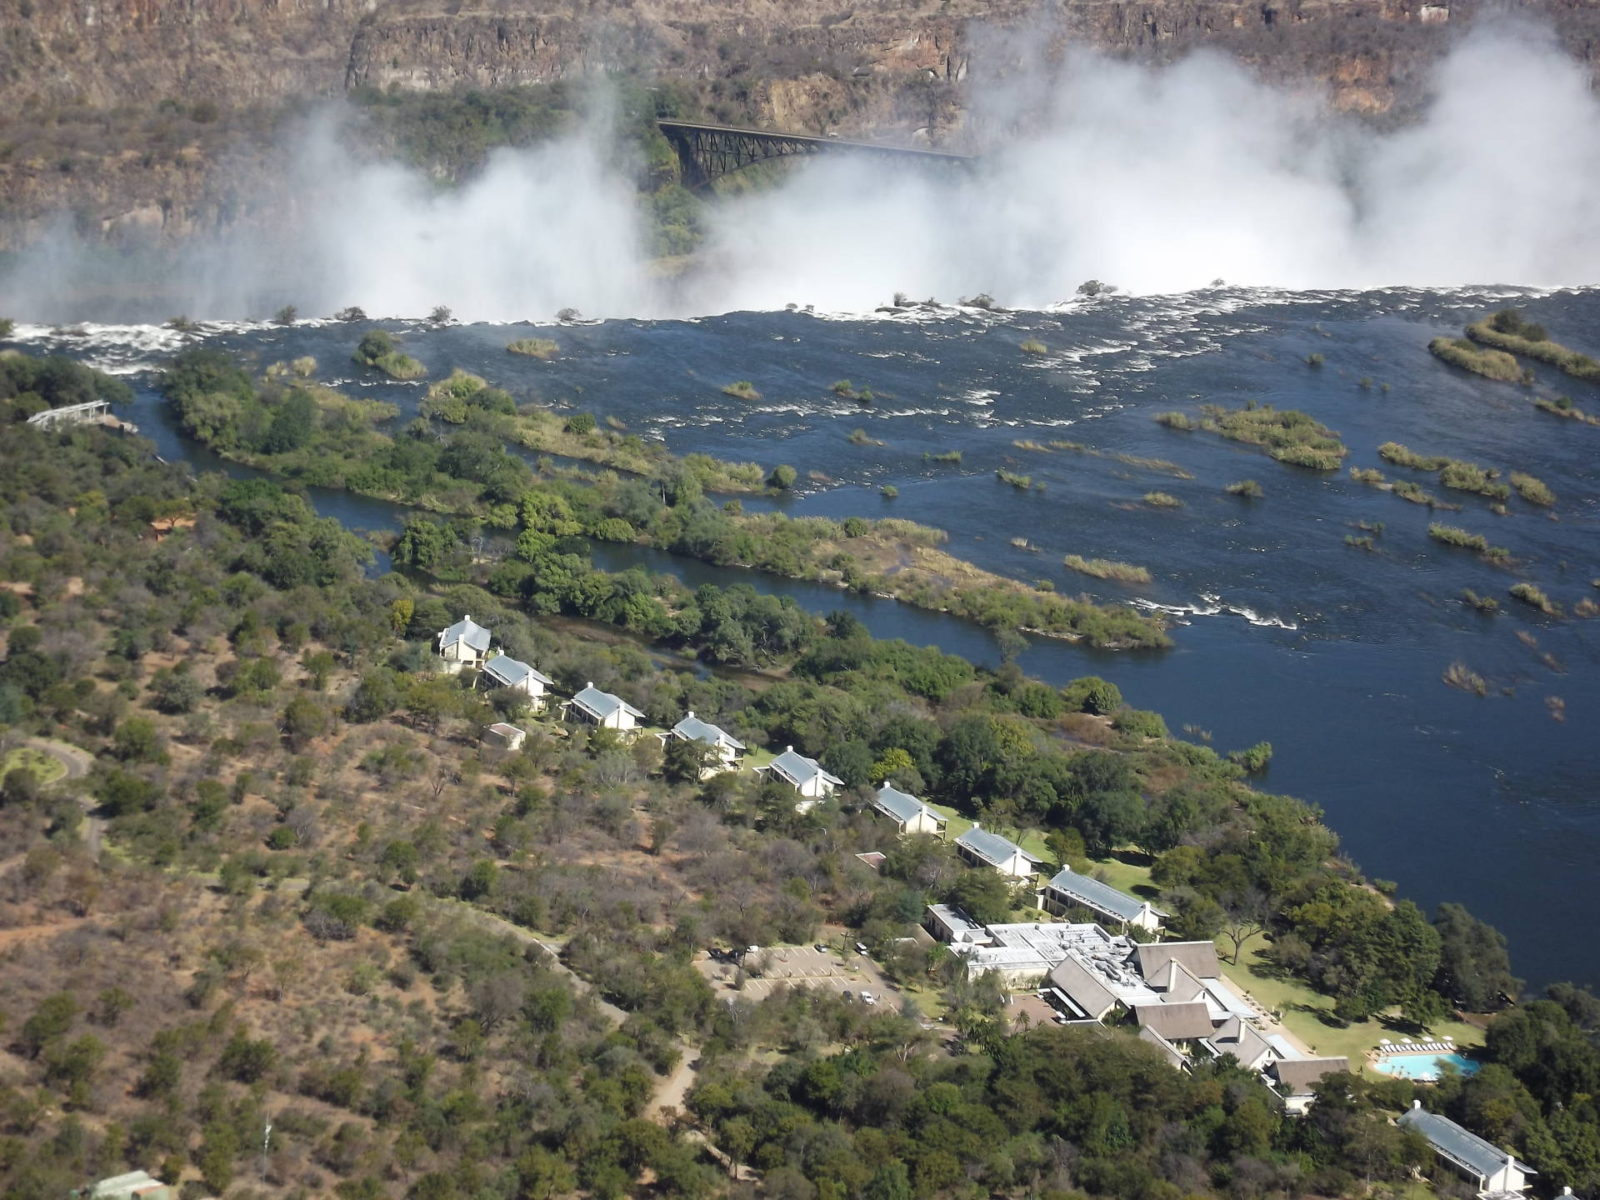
(1424, 1067)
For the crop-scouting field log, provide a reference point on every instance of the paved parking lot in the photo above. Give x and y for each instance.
(794, 966)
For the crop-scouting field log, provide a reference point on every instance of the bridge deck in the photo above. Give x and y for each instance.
(775, 135)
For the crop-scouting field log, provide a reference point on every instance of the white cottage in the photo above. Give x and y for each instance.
(909, 814)
(504, 671)
(464, 644)
(1069, 890)
(804, 775)
(723, 745)
(1492, 1169)
(981, 848)
(603, 709)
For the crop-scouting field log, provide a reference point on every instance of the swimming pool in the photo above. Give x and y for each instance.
(1425, 1067)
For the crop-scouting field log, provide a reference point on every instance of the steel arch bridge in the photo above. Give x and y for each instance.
(707, 152)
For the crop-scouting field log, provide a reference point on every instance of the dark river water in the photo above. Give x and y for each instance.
(1284, 634)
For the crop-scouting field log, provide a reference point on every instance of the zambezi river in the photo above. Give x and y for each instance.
(1283, 632)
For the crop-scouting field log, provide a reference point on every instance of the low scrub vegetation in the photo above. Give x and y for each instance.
(1450, 535)
(1288, 435)
(1459, 675)
(1532, 594)
(1249, 489)
(378, 351)
(1508, 330)
(540, 348)
(742, 389)
(1162, 500)
(1105, 568)
(1491, 364)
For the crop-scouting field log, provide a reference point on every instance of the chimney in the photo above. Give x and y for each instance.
(691, 715)
(590, 684)
(790, 750)
(1416, 1104)
(977, 824)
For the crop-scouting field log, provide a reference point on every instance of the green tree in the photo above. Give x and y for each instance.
(783, 478)
(983, 894)
(1091, 694)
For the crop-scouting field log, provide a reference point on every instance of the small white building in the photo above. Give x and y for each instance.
(1493, 1170)
(909, 814)
(504, 671)
(1069, 890)
(981, 848)
(724, 747)
(804, 775)
(464, 644)
(603, 709)
(502, 736)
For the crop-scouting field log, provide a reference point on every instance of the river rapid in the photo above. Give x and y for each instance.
(1283, 632)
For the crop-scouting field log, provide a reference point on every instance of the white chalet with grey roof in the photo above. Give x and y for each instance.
(908, 813)
(504, 671)
(805, 775)
(1493, 1170)
(603, 709)
(1070, 890)
(464, 644)
(719, 741)
(984, 849)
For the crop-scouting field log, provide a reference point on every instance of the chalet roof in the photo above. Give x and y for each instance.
(1177, 984)
(600, 705)
(1244, 1041)
(511, 673)
(469, 631)
(693, 729)
(1198, 958)
(991, 847)
(799, 770)
(1083, 988)
(1176, 1022)
(1101, 897)
(901, 806)
(1461, 1146)
(1297, 1075)
(1173, 1055)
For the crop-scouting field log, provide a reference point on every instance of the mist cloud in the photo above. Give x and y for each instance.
(1157, 179)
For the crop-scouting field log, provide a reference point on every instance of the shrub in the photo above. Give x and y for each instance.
(1162, 500)
(1105, 568)
(1091, 694)
(287, 315)
(889, 491)
(782, 477)
(1530, 594)
(1491, 364)
(540, 348)
(580, 423)
(1315, 360)
(1459, 675)
(1032, 346)
(742, 389)
(1248, 488)
(1531, 489)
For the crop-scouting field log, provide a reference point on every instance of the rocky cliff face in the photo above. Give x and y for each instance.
(119, 110)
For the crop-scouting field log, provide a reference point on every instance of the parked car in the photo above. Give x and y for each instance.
(868, 998)
(861, 947)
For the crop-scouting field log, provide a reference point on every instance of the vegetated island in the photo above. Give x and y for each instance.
(1509, 330)
(1464, 476)
(1105, 568)
(1469, 356)
(1288, 435)
(468, 472)
(540, 348)
(298, 813)
(378, 351)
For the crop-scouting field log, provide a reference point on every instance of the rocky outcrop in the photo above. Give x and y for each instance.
(119, 110)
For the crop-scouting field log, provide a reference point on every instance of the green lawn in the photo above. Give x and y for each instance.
(1309, 1015)
(46, 767)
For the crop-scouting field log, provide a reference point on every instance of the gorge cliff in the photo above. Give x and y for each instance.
(121, 112)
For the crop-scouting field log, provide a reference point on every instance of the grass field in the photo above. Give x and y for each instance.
(46, 767)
